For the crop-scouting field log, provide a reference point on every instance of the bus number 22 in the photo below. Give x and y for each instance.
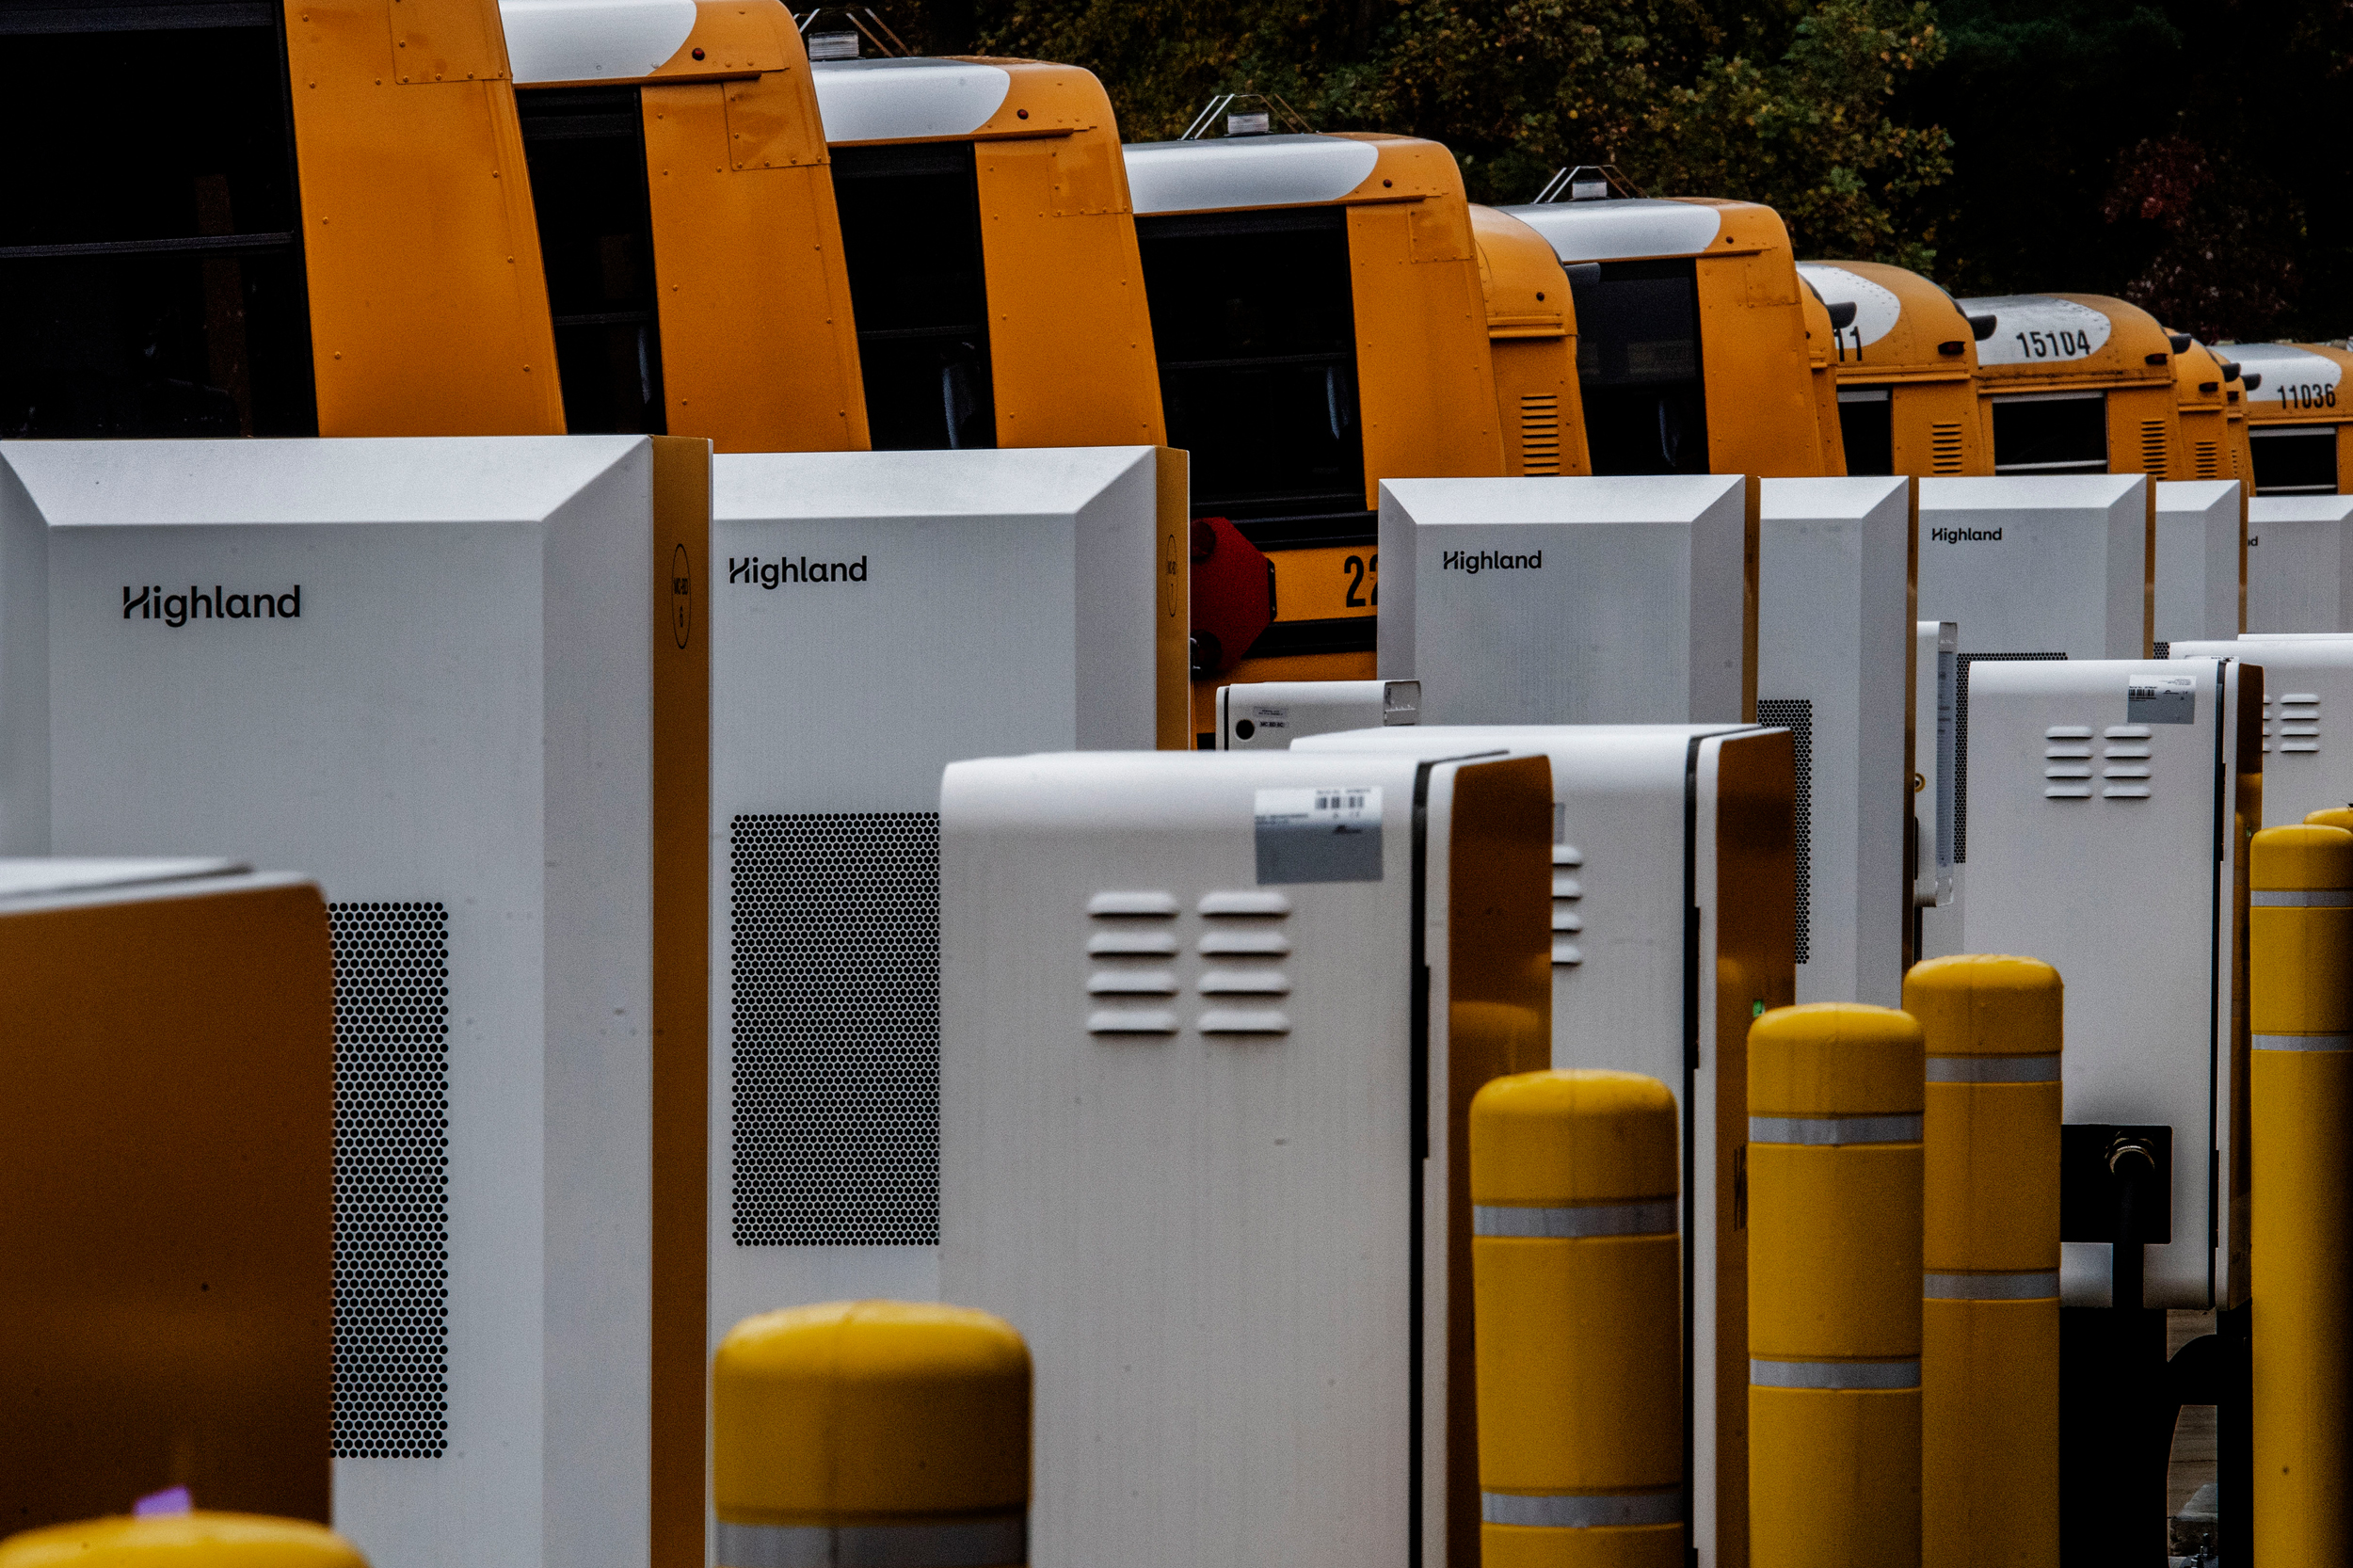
(1358, 597)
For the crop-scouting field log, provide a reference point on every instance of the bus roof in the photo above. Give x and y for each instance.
(1241, 173)
(1526, 294)
(2078, 339)
(2299, 383)
(1903, 325)
(581, 41)
(916, 99)
(1621, 230)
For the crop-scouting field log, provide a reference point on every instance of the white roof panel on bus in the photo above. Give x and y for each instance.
(1876, 308)
(2290, 375)
(588, 41)
(2036, 329)
(906, 99)
(1622, 230)
(1245, 171)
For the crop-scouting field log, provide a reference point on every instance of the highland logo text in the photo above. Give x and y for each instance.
(150, 602)
(1475, 561)
(785, 568)
(1960, 536)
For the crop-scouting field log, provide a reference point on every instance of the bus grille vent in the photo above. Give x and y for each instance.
(1945, 448)
(2209, 460)
(1540, 433)
(2153, 448)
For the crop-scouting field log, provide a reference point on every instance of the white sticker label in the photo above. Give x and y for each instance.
(1351, 804)
(2161, 700)
(1330, 834)
(1876, 309)
(2035, 329)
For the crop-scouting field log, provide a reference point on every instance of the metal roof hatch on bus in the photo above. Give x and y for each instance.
(1245, 171)
(904, 99)
(587, 41)
(2035, 329)
(1622, 230)
(1876, 309)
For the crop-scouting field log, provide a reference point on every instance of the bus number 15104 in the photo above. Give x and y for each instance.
(2059, 344)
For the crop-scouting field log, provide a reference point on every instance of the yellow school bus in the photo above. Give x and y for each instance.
(1821, 358)
(1531, 338)
(1319, 324)
(1693, 353)
(2076, 383)
(686, 223)
(991, 256)
(2237, 393)
(232, 249)
(2207, 398)
(2297, 405)
(1907, 367)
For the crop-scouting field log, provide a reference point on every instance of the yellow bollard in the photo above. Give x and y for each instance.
(1989, 1342)
(1575, 1277)
(194, 1540)
(871, 1432)
(1836, 1098)
(2301, 1092)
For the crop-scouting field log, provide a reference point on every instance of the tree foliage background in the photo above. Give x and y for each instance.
(2185, 156)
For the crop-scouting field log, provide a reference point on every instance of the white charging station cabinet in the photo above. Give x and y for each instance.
(1834, 648)
(2198, 562)
(2113, 802)
(2308, 699)
(1267, 715)
(1673, 899)
(1210, 1028)
(2029, 568)
(2299, 563)
(2051, 568)
(1936, 651)
(875, 617)
(1579, 600)
(443, 676)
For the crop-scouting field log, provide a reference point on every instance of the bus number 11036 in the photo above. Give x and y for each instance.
(2308, 395)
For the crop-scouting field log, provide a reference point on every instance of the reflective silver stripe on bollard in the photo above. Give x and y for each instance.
(1569, 1221)
(1581, 1510)
(2031, 1285)
(966, 1544)
(1821, 1131)
(1993, 1069)
(1834, 1375)
(2316, 898)
(2303, 1042)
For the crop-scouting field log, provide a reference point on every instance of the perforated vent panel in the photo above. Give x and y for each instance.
(835, 1067)
(1961, 744)
(392, 1179)
(1796, 715)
